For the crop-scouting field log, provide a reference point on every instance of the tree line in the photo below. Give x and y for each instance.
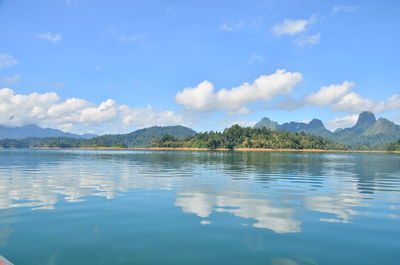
(247, 137)
(231, 138)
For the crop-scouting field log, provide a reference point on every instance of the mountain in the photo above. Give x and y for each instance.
(366, 132)
(369, 132)
(365, 120)
(140, 138)
(32, 130)
(382, 126)
(267, 123)
(315, 126)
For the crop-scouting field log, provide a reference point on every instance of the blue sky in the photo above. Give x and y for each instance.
(115, 66)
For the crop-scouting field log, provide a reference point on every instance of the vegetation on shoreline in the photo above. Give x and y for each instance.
(395, 146)
(32, 142)
(246, 137)
(231, 138)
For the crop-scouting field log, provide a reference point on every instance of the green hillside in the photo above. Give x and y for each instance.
(246, 137)
(139, 138)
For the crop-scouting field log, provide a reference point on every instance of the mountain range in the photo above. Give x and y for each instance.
(368, 131)
(33, 130)
(139, 138)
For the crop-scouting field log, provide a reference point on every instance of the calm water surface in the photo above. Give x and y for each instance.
(156, 207)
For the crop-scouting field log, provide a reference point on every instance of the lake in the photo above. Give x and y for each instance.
(180, 207)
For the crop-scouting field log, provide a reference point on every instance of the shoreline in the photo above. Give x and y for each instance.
(218, 149)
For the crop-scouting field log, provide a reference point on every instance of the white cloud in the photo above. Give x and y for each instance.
(340, 98)
(308, 40)
(292, 27)
(48, 109)
(10, 80)
(7, 60)
(393, 102)
(227, 122)
(354, 102)
(256, 58)
(265, 214)
(53, 37)
(125, 38)
(232, 26)
(329, 94)
(345, 9)
(342, 122)
(203, 98)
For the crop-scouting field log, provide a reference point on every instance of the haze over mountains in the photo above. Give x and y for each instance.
(33, 130)
(138, 138)
(367, 131)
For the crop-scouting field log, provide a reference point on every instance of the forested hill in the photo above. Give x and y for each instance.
(139, 138)
(246, 137)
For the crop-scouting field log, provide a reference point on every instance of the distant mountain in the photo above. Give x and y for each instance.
(366, 132)
(313, 127)
(32, 130)
(369, 131)
(140, 138)
(267, 123)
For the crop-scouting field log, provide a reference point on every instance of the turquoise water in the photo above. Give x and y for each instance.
(171, 207)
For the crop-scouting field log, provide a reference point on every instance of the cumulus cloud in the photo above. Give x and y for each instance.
(292, 27)
(393, 102)
(307, 40)
(355, 102)
(232, 26)
(264, 88)
(342, 122)
(48, 109)
(329, 94)
(11, 80)
(53, 37)
(229, 121)
(7, 60)
(340, 98)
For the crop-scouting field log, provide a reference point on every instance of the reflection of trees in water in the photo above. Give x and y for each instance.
(377, 172)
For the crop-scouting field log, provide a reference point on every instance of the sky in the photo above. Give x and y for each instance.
(94, 66)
